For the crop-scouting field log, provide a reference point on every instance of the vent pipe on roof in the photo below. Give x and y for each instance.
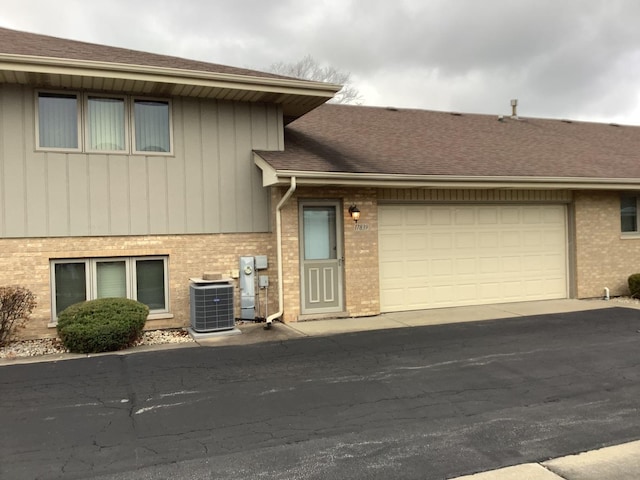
(514, 108)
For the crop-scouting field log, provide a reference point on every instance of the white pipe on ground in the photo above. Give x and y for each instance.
(606, 293)
(283, 200)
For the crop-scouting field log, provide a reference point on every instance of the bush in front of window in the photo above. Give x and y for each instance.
(102, 325)
(16, 304)
(634, 285)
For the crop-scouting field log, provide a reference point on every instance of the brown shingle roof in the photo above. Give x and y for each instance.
(354, 139)
(24, 43)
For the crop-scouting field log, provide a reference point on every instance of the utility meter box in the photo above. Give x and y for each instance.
(247, 283)
(261, 262)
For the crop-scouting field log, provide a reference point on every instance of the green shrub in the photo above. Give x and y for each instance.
(634, 285)
(16, 304)
(102, 325)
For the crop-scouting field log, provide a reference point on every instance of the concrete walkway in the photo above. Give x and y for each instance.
(621, 462)
(441, 316)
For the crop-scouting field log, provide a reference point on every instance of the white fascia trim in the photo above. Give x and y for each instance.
(281, 177)
(269, 174)
(64, 66)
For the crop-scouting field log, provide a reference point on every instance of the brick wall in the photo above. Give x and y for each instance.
(26, 262)
(603, 257)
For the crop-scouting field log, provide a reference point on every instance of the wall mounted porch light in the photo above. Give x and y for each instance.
(354, 212)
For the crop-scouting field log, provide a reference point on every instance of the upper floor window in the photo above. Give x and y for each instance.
(629, 214)
(58, 121)
(103, 123)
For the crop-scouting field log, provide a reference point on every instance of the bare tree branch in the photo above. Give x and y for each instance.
(309, 69)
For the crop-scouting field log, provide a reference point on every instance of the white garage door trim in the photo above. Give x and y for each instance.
(434, 256)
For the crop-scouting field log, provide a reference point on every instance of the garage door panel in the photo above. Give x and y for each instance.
(532, 216)
(510, 239)
(440, 216)
(489, 265)
(437, 256)
(441, 241)
(390, 216)
(466, 266)
(488, 240)
(510, 216)
(416, 241)
(415, 216)
(441, 266)
(488, 216)
(464, 216)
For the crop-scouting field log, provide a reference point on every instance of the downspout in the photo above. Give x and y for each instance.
(283, 200)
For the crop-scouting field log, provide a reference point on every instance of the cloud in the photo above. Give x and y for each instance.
(562, 58)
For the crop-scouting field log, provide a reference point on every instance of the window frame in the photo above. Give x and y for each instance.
(83, 133)
(52, 281)
(79, 132)
(132, 111)
(91, 280)
(636, 232)
(87, 124)
(134, 279)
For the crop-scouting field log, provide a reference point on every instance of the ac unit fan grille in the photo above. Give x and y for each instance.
(212, 308)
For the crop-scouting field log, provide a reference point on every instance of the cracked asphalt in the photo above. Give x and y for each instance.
(414, 403)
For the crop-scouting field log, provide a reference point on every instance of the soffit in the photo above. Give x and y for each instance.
(296, 97)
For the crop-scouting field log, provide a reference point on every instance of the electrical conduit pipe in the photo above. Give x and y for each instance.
(283, 200)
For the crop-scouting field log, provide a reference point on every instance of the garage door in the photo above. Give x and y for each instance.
(439, 256)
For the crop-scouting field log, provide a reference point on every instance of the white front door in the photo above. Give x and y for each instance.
(321, 256)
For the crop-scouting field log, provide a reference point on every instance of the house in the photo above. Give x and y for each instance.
(125, 173)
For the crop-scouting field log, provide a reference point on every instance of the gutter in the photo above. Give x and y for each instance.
(283, 200)
(272, 177)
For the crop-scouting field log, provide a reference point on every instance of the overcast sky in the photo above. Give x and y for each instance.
(576, 59)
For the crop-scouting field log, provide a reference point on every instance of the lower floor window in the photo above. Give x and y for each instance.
(140, 278)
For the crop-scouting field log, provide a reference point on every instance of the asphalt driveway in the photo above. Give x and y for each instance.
(424, 402)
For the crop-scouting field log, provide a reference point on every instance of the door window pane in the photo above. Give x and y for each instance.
(106, 124)
(320, 233)
(57, 120)
(152, 126)
(111, 279)
(150, 283)
(70, 283)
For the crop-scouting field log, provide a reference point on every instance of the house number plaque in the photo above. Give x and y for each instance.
(361, 227)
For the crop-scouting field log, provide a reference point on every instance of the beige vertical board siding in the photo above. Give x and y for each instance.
(158, 201)
(227, 143)
(194, 181)
(138, 195)
(15, 207)
(77, 187)
(211, 166)
(209, 185)
(260, 140)
(99, 194)
(245, 168)
(36, 188)
(176, 180)
(57, 193)
(119, 178)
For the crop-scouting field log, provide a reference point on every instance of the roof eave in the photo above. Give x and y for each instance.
(273, 177)
(296, 96)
